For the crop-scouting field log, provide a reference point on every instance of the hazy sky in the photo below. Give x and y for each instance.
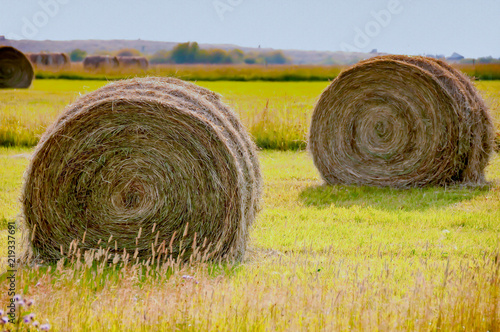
(471, 28)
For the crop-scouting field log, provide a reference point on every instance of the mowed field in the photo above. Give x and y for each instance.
(320, 257)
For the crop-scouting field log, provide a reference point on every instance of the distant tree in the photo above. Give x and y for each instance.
(218, 56)
(191, 53)
(276, 57)
(186, 53)
(486, 60)
(102, 52)
(128, 52)
(237, 55)
(250, 60)
(77, 55)
(161, 56)
(467, 61)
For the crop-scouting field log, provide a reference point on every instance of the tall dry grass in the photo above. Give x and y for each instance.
(303, 291)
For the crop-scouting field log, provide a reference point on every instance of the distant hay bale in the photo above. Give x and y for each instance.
(15, 69)
(156, 156)
(53, 60)
(401, 121)
(95, 62)
(133, 61)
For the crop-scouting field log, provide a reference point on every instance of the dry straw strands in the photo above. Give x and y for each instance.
(161, 165)
(401, 121)
(16, 70)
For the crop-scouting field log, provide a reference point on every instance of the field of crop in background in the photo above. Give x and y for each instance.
(276, 113)
(331, 258)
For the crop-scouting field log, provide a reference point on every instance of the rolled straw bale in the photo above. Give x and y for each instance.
(36, 59)
(398, 121)
(55, 60)
(94, 62)
(133, 61)
(16, 70)
(152, 154)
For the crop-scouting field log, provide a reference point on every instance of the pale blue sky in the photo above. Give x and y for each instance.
(469, 27)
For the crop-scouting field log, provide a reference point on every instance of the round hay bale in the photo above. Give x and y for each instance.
(95, 62)
(16, 70)
(397, 121)
(153, 156)
(50, 60)
(133, 61)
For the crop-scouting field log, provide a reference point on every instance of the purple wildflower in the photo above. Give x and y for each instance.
(29, 318)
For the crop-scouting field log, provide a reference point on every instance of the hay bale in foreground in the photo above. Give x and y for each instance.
(16, 70)
(153, 155)
(400, 121)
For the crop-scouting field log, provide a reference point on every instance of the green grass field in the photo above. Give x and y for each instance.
(320, 258)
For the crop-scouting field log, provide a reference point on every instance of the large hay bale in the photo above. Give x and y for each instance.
(400, 121)
(155, 154)
(15, 69)
(95, 62)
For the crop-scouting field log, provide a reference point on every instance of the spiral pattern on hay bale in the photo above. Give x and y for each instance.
(400, 121)
(156, 156)
(16, 70)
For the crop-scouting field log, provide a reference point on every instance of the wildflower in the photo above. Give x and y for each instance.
(186, 277)
(20, 303)
(29, 303)
(44, 327)
(1, 312)
(29, 318)
(17, 298)
(4, 320)
(36, 324)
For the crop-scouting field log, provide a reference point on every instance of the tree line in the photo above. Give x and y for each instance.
(191, 53)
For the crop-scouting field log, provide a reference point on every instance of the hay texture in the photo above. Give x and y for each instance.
(159, 164)
(401, 121)
(16, 70)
